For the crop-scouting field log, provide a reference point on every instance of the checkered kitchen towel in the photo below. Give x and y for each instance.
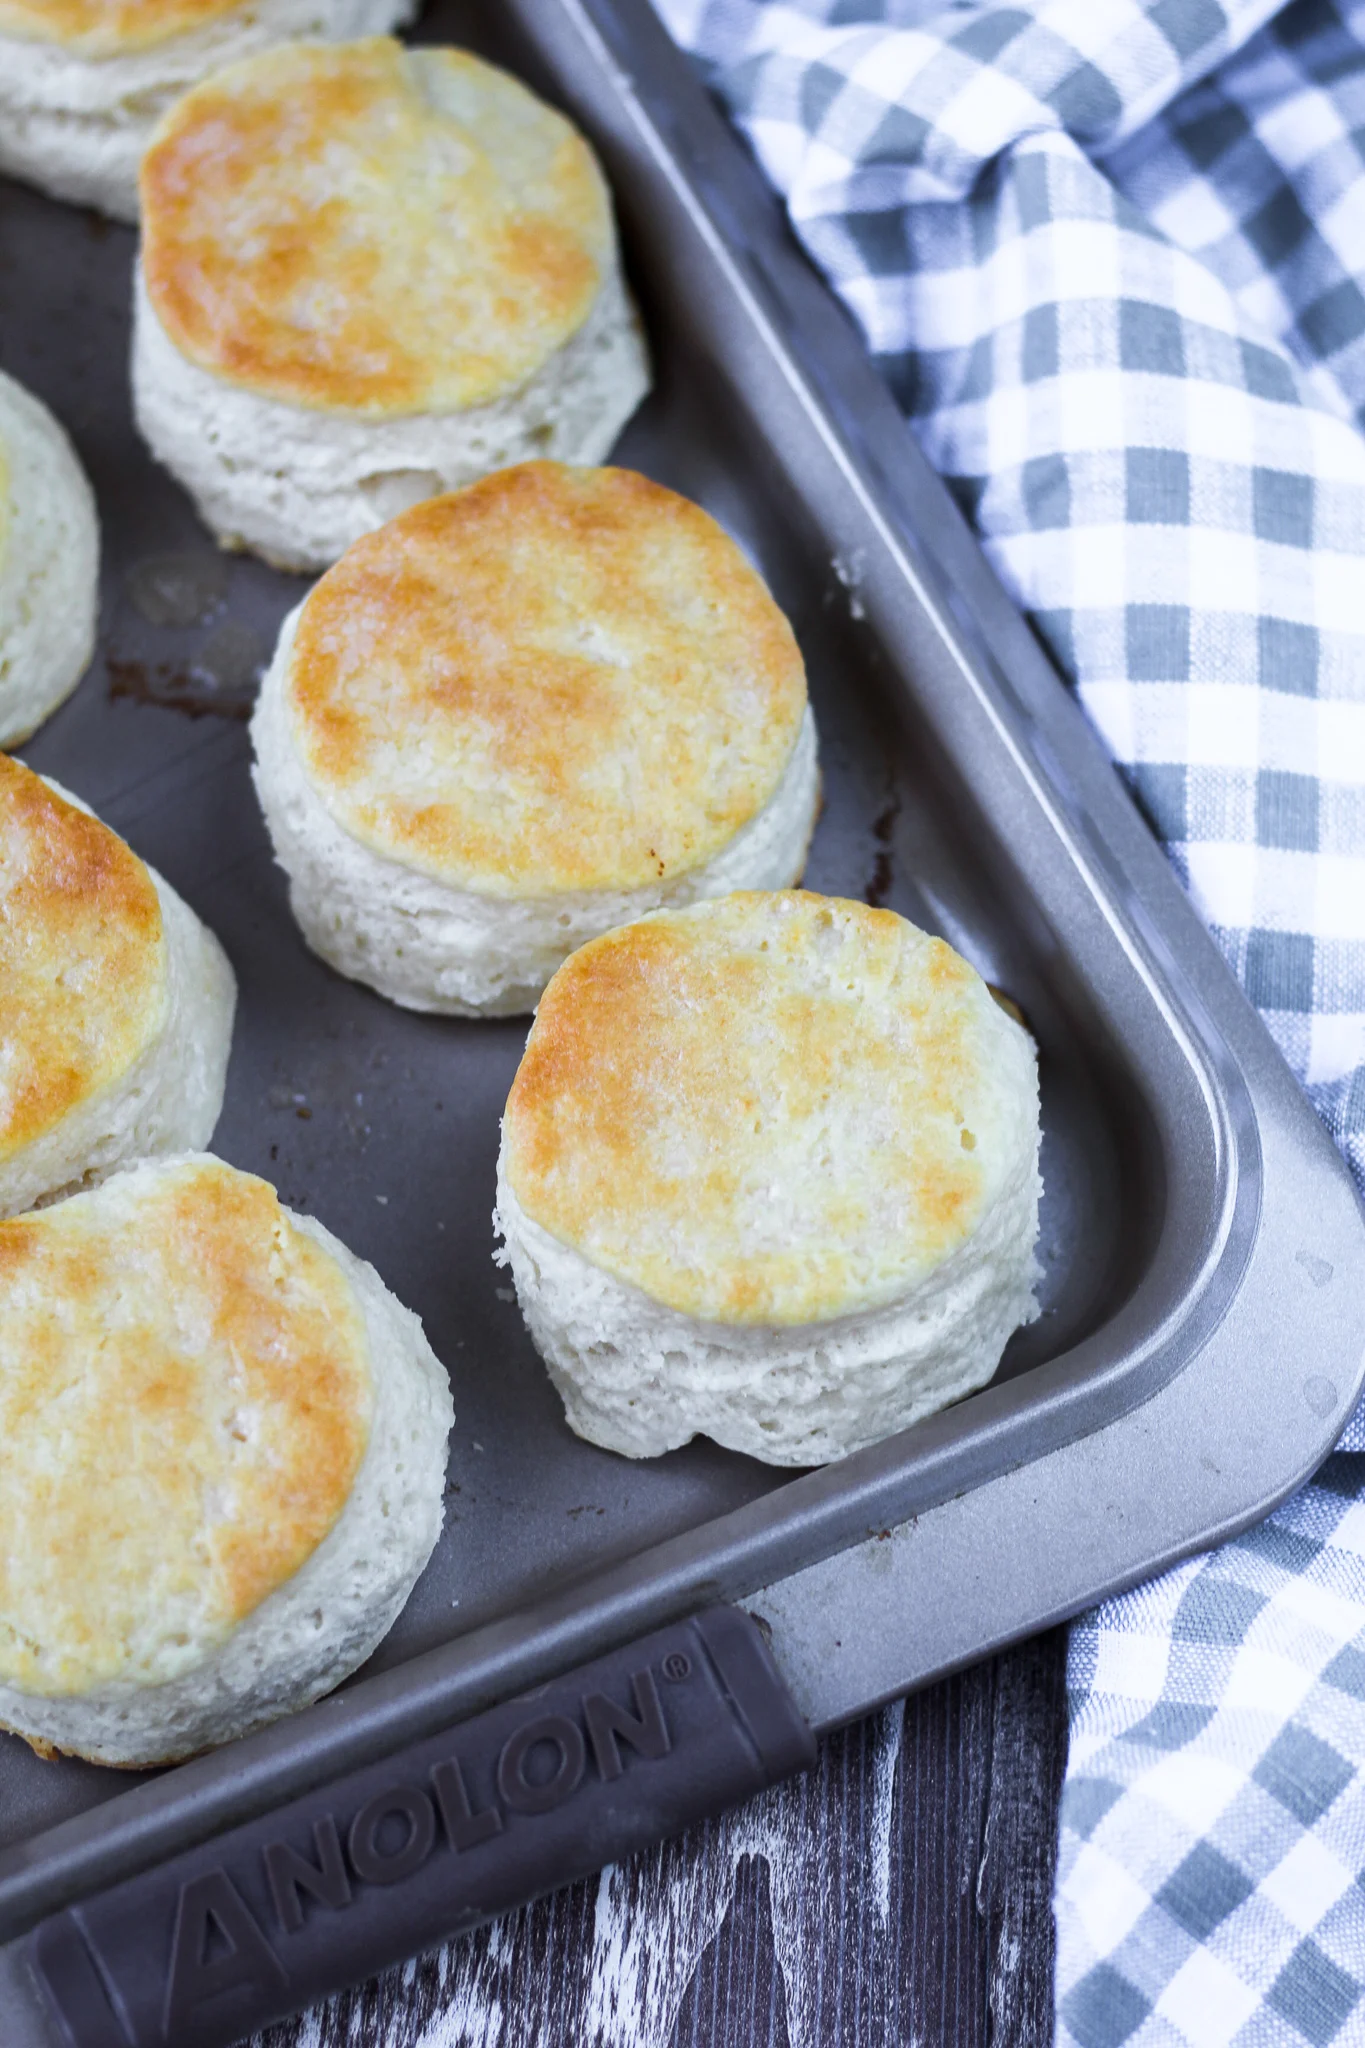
(1111, 257)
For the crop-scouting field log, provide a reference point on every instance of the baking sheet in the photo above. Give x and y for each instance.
(384, 1124)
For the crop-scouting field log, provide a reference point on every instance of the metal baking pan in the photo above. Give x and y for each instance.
(1204, 1290)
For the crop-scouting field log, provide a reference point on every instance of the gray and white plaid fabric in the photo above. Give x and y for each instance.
(1111, 257)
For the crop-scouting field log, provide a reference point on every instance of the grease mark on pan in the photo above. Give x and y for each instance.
(183, 589)
(883, 833)
(219, 681)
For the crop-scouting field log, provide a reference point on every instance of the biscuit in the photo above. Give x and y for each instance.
(83, 83)
(769, 1173)
(116, 1003)
(369, 275)
(522, 714)
(222, 1463)
(49, 565)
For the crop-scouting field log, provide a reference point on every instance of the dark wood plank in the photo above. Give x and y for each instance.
(901, 1892)
(1014, 1893)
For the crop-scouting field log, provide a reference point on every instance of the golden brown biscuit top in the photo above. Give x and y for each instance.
(185, 1400)
(107, 28)
(369, 229)
(557, 679)
(82, 957)
(767, 1108)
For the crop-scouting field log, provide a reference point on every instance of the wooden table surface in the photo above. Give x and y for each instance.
(899, 1895)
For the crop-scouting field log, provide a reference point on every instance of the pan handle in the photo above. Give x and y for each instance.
(437, 1837)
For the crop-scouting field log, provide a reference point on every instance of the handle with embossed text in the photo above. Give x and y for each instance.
(389, 1859)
